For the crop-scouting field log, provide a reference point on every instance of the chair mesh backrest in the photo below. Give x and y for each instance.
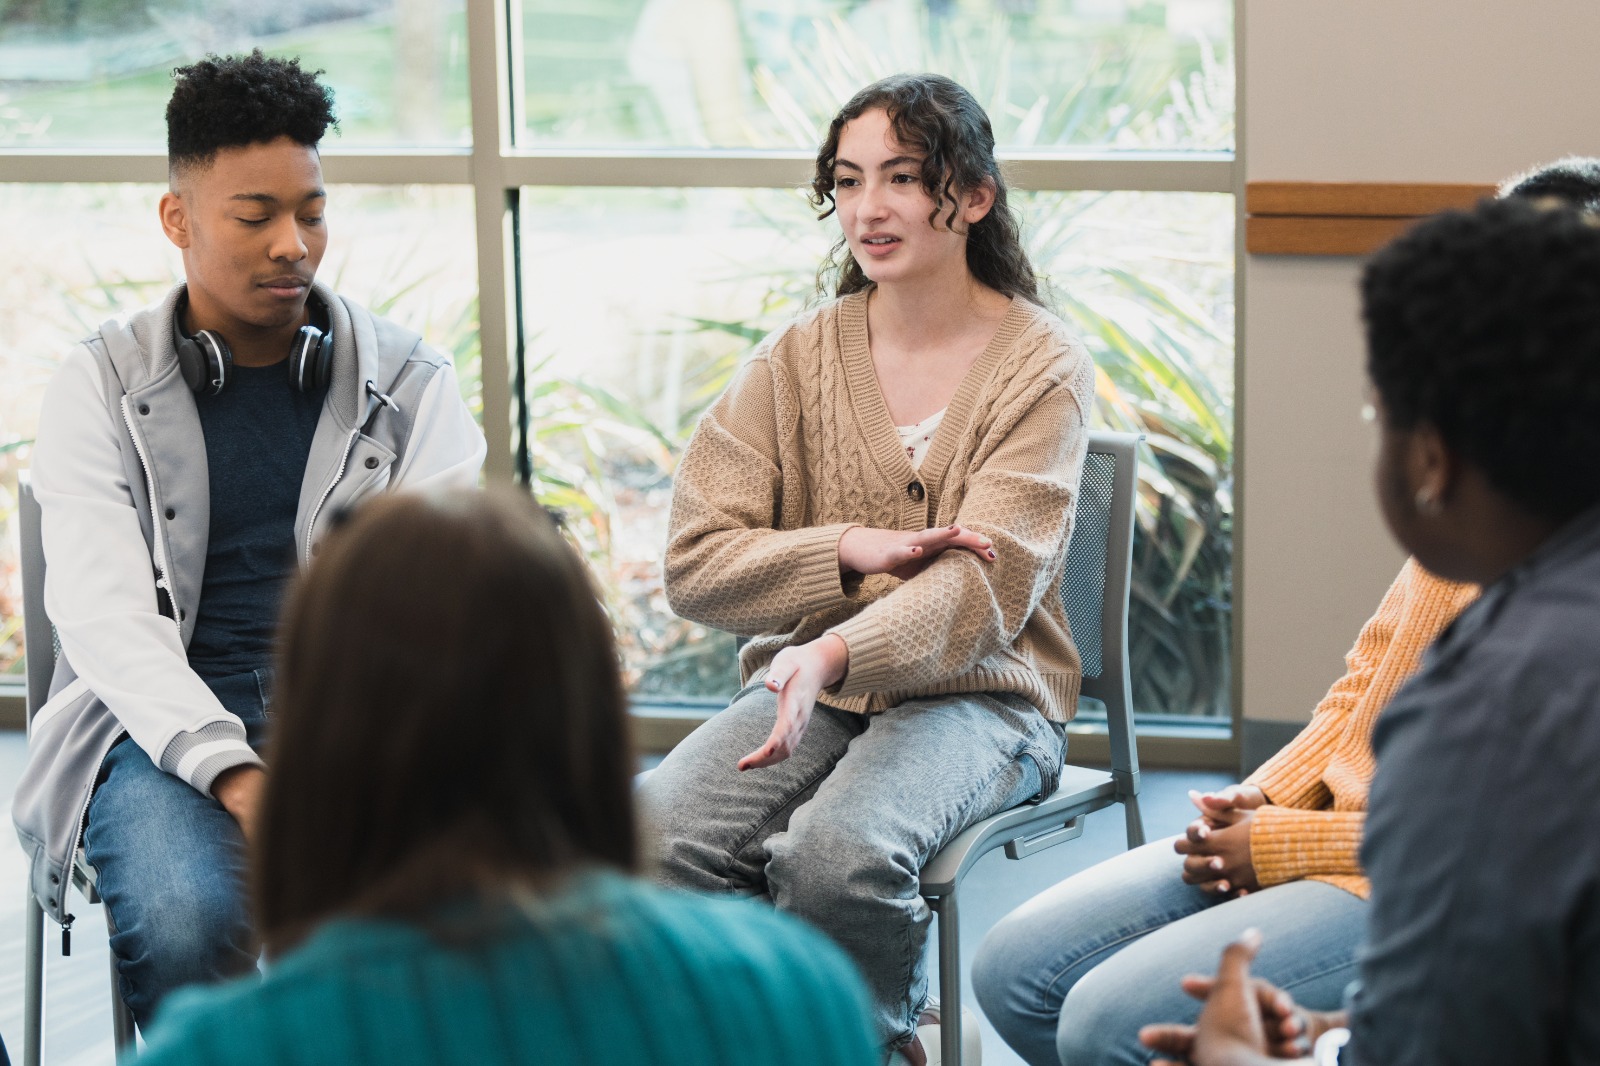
(1083, 586)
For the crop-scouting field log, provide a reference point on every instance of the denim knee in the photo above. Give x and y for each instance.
(1098, 1026)
(819, 863)
(186, 934)
(1003, 979)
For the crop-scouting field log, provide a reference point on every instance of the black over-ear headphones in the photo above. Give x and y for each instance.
(207, 362)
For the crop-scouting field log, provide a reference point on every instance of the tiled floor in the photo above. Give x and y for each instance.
(78, 1018)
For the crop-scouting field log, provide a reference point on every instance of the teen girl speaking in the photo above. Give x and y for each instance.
(881, 502)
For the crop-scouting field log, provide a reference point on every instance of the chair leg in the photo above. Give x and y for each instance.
(124, 1039)
(1130, 810)
(949, 981)
(33, 985)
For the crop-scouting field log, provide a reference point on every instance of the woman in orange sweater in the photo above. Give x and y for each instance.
(1071, 975)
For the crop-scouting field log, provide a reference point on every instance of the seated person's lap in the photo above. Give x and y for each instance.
(1076, 971)
(171, 865)
(839, 831)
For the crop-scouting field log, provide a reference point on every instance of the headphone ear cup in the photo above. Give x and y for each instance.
(206, 362)
(311, 359)
(323, 375)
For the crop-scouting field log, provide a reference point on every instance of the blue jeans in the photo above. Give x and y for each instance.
(172, 867)
(1071, 975)
(838, 832)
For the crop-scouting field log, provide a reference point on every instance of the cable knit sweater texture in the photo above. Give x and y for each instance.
(801, 447)
(1316, 787)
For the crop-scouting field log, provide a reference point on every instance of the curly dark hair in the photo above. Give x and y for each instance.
(1485, 325)
(1575, 181)
(231, 101)
(939, 119)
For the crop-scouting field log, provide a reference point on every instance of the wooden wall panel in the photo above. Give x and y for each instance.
(1342, 218)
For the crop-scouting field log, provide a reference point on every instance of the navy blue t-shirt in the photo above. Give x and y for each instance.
(258, 436)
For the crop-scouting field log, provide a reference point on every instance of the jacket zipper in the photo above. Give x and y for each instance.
(159, 540)
(344, 461)
(77, 842)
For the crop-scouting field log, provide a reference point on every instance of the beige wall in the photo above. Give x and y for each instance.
(1363, 90)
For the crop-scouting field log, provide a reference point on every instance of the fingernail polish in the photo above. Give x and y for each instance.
(992, 554)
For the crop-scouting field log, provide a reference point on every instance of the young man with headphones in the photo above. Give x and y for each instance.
(189, 457)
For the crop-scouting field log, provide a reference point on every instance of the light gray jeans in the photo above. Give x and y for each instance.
(838, 832)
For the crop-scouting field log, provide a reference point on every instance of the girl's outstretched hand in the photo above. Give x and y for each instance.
(798, 675)
(905, 553)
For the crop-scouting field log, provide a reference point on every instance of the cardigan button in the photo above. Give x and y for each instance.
(171, 514)
(916, 491)
(372, 462)
(144, 408)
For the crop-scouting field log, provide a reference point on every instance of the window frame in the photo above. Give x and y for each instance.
(497, 169)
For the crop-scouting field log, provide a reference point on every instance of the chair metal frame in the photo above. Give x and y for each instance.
(1034, 827)
(39, 638)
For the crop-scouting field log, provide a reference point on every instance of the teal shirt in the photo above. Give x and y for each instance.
(612, 971)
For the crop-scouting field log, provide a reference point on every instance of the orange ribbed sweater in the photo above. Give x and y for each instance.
(1316, 787)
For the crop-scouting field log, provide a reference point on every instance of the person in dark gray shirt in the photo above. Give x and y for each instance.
(1483, 942)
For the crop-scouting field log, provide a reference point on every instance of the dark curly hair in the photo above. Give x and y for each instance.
(939, 119)
(1485, 325)
(1575, 181)
(228, 102)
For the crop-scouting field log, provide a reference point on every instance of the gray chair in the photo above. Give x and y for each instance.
(42, 648)
(1095, 593)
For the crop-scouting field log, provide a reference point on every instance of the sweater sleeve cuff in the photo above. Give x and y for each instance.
(202, 756)
(1287, 844)
(871, 658)
(1274, 780)
(817, 581)
(1293, 776)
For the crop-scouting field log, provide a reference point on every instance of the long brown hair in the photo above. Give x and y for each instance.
(449, 723)
(936, 117)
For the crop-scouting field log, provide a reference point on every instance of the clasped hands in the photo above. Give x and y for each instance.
(1245, 1022)
(1216, 845)
(799, 673)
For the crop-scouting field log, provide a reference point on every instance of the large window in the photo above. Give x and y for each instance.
(615, 185)
(1108, 74)
(94, 73)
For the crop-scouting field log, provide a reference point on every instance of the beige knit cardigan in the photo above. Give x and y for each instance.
(801, 447)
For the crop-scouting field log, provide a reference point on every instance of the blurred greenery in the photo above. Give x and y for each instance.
(640, 72)
(1164, 358)
(1154, 347)
(1052, 74)
(109, 72)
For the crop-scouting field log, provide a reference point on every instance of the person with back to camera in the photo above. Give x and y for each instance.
(189, 455)
(881, 501)
(1071, 975)
(1483, 942)
(442, 868)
